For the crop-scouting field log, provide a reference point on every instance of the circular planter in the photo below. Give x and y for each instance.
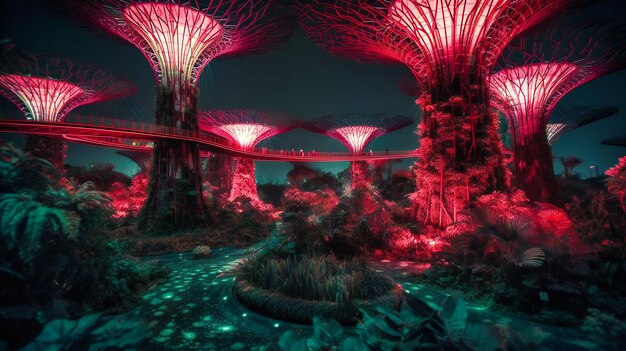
(290, 309)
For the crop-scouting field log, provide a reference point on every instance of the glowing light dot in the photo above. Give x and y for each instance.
(168, 295)
(226, 328)
(244, 314)
(276, 325)
(189, 335)
(166, 332)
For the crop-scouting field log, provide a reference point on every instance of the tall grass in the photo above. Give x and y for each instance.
(322, 278)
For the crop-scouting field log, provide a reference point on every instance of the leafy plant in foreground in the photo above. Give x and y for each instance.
(91, 333)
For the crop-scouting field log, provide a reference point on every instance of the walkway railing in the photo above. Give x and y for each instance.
(141, 130)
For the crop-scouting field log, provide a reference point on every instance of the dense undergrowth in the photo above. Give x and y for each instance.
(55, 258)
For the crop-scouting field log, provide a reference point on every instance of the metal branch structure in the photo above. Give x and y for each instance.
(565, 119)
(355, 131)
(179, 38)
(536, 71)
(246, 128)
(450, 46)
(46, 89)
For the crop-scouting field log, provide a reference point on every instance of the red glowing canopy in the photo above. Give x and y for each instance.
(441, 41)
(245, 127)
(538, 70)
(564, 119)
(526, 93)
(179, 38)
(47, 89)
(356, 130)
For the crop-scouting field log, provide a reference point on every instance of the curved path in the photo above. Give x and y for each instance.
(112, 132)
(186, 313)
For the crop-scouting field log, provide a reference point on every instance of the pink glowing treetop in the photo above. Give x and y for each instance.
(246, 128)
(565, 119)
(179, 38)
(46, 89)
(535, 74)
(355, 131)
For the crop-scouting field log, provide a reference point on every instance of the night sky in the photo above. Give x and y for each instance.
(297, 78)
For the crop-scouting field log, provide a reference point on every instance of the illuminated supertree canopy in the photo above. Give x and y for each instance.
(46, 89)
(179, 38)
(355, 131)
(450, 46)
(246, 128)
(535, 73)
(565, 119)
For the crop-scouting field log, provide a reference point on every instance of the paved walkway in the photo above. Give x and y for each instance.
(191, 311)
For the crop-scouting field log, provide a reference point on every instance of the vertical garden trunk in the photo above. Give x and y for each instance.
(360, 174)
(534, 172)
(220, 171)
(174, 195)
(52, 149)
(460, 153)
(244, 181)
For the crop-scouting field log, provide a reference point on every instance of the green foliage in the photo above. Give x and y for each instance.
(20, 172)
(91, 333)
(607, 331)
(415, 326)
(315, 278)
(51, 242)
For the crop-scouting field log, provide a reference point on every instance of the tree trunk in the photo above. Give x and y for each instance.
(174, 199)
(460, 156)
(52, 149)
(534, 172)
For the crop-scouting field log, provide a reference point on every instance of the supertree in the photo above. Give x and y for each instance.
(565, 119)
(450, 46)
(355, 131)
(536, 71)
(246, 128)
(46, 89)
(617, 141)
(179, 38)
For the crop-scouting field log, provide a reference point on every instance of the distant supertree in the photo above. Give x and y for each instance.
(142, 159)
(450, 46)
(179, 38)
(46, 89)
(246, 128)
(565, 119)
(536, 71)
(355, 131)
(617, 141)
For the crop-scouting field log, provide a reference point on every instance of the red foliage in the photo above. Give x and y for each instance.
(128, 201)
(320, 202)
(244, 182)
(617, 181)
